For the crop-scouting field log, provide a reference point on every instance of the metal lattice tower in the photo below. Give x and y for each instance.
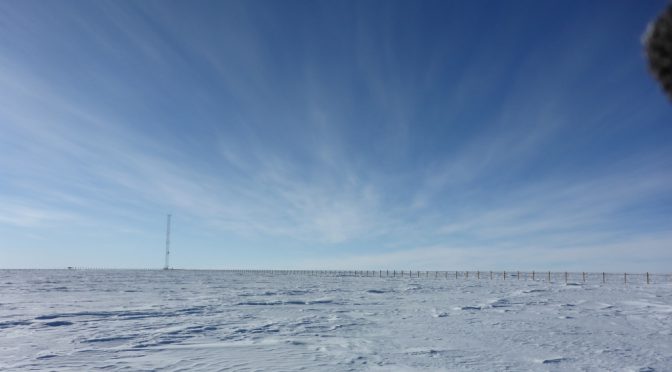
(167, 265)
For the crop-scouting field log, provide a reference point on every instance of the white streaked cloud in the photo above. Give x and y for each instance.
(634, 254)
(241, 142)
(26, 214)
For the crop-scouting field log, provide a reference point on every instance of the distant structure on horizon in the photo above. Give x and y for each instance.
(167, 264)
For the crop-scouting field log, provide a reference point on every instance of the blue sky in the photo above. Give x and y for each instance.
(333, 134)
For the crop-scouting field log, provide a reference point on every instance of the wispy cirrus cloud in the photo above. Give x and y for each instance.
(327, 140)
(619, 256)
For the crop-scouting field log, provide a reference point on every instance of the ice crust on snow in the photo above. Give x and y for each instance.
(217, 320)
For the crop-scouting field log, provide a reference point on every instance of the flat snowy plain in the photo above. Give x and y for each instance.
(217, 320)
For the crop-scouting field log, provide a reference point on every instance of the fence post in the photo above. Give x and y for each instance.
(532, 274)
(504, 275)
(478, 275)
(625, 278)
(565, 277)
(518, 275)
(466, 275)
(647, 277)
(603, 279)
(549, 276)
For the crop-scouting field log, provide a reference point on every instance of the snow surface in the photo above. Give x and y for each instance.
(217, 320)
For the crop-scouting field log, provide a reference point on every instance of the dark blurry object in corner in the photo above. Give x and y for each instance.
(658, 44)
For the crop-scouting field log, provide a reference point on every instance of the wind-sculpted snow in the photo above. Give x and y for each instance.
(214, 320)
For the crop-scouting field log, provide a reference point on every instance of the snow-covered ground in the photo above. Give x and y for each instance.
(214, 320)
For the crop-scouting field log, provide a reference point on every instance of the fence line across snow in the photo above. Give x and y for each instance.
(545, 276)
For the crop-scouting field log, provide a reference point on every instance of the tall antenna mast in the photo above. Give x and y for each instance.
(167, 266)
